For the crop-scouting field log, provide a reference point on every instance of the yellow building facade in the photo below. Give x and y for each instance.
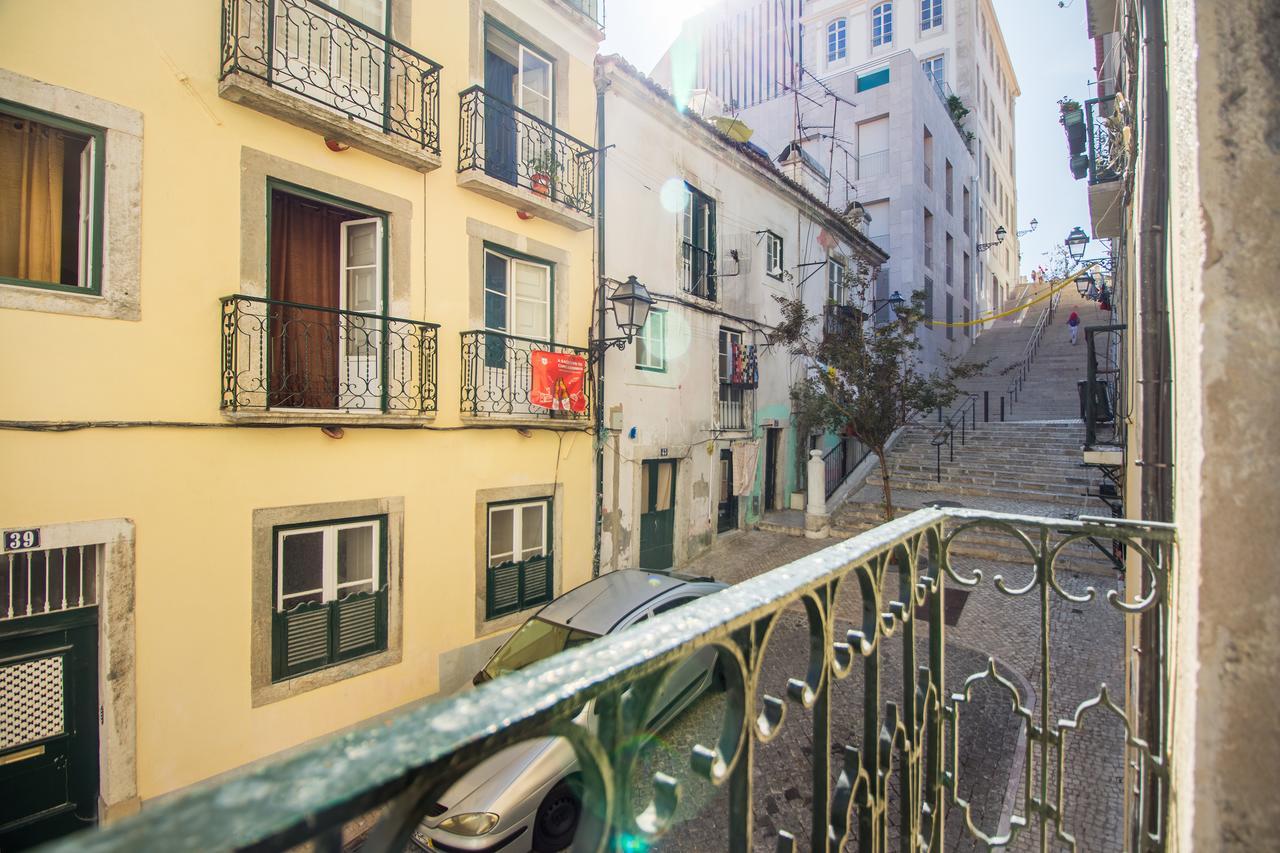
(276, 432)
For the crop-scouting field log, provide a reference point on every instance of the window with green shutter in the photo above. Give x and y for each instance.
(330, 593)
(520, 563)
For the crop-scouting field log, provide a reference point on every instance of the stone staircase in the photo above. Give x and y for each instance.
(1029, 464)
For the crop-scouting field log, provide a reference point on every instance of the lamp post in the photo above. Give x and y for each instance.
(895, 299)
(1001, 233)
(1077, 241)
(630, 302)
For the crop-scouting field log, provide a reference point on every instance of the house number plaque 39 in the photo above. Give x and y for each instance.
(16, 540)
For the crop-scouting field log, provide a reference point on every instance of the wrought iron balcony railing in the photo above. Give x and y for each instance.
(838, 462)
(285, 356)
(500, 379)
(336, 61)
(593, 9)
(880, 767)
(1105, 147)
(515, 146)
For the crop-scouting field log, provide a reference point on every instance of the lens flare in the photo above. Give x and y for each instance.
(672, 195)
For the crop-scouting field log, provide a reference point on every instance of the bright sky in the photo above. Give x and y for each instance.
(1052, 56)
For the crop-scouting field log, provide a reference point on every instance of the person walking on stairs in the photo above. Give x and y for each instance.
(1073, 325)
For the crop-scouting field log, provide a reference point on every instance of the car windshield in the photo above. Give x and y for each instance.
(536, 639)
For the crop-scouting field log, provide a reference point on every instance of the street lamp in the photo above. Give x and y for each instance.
(1085, 284)
(1077, 241)
(1034, 225)
(630, 302)
(895, 299)
(1001, 233)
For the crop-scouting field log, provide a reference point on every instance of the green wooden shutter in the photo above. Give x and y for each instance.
(502, 594)
(535, 581)
(358, 624)
(302, 639)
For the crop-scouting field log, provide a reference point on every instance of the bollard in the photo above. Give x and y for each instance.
(986, 407)
(1001, 408)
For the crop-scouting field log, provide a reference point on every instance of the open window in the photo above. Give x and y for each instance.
(519, 83)
(51, 194)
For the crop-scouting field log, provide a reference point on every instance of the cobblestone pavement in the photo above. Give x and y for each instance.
(1086, 642)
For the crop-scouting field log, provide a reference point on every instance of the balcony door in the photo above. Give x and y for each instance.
(338, 60)
(360, 364)
(519, 103)
(517, 306)
(327, 282)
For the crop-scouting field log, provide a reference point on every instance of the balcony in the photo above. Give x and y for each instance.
(1104, 124)
(512, 156)
(593, 10)
(503, 379)
(308, 64)
(284, 359)
(882, 705)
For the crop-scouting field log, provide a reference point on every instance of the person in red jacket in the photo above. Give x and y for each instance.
(1073, 326)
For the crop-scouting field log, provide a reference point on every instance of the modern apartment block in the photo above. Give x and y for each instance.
(294, 301)
(700, 440)
(877, 131)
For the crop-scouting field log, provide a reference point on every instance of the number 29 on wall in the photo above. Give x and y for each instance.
(17, 540)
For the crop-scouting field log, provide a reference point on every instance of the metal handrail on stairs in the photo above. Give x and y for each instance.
(1033, 345)
(946, 434)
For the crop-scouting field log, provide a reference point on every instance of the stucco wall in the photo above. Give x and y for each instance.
(1225, 129)
(191, 491)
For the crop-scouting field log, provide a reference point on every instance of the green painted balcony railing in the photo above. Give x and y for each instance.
(898, 788)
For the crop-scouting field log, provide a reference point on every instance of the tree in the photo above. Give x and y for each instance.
(865, 378)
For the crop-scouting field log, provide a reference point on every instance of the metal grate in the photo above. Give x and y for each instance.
(31, 696)
(48, 580)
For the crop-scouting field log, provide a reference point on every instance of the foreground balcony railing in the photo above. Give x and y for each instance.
(1105, 149)
(516, 147)
(508, 376)
(336, 61)
(890, 782)
(286, 356)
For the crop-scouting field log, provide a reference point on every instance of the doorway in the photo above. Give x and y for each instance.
(772, 446)
(327, 264)
(519, 88)
(49, 734)
(727, 508)
(658, 514)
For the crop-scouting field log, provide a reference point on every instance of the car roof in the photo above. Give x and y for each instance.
(599, 604)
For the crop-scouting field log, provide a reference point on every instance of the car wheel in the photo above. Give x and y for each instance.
(557, 818)
(719, 683)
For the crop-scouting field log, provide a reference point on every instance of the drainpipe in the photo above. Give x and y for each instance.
(598, 302)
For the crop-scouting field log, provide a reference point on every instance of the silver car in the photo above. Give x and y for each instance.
(526, 798)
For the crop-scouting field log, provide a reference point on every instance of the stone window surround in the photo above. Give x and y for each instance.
(480, 11)
(256, 168)
(502, 494)
(263, 691)
(479, 233)
(121, 292)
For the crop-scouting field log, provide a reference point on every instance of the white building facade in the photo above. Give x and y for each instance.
(700, 440)
(850, 100)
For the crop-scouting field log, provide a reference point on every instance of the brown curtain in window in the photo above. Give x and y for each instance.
(31, 163)
(305, 255)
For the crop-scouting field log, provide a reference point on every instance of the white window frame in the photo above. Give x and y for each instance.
(930, 15)
(654, 335)
(330, 589)
(510, 299)
(837, 40)
(837, 291)
(935, 68)
(882, 24)
(517, 530)
(773, 254)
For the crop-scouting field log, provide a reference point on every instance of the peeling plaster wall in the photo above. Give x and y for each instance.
(1225, 138)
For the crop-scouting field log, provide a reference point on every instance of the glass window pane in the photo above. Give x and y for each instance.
(501, 533)
(495, 273)
(355, 554)
(302, 562)
(530, 281)
(531, 320)
(362, 244)
(533, 528)
(362, 290)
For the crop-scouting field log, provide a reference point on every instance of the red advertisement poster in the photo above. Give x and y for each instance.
(559, 381)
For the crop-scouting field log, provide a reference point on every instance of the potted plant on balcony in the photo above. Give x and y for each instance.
(1071, 116)
(543, 170)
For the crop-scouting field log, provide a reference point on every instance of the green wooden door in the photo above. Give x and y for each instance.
(658, 514)
(49, 748)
